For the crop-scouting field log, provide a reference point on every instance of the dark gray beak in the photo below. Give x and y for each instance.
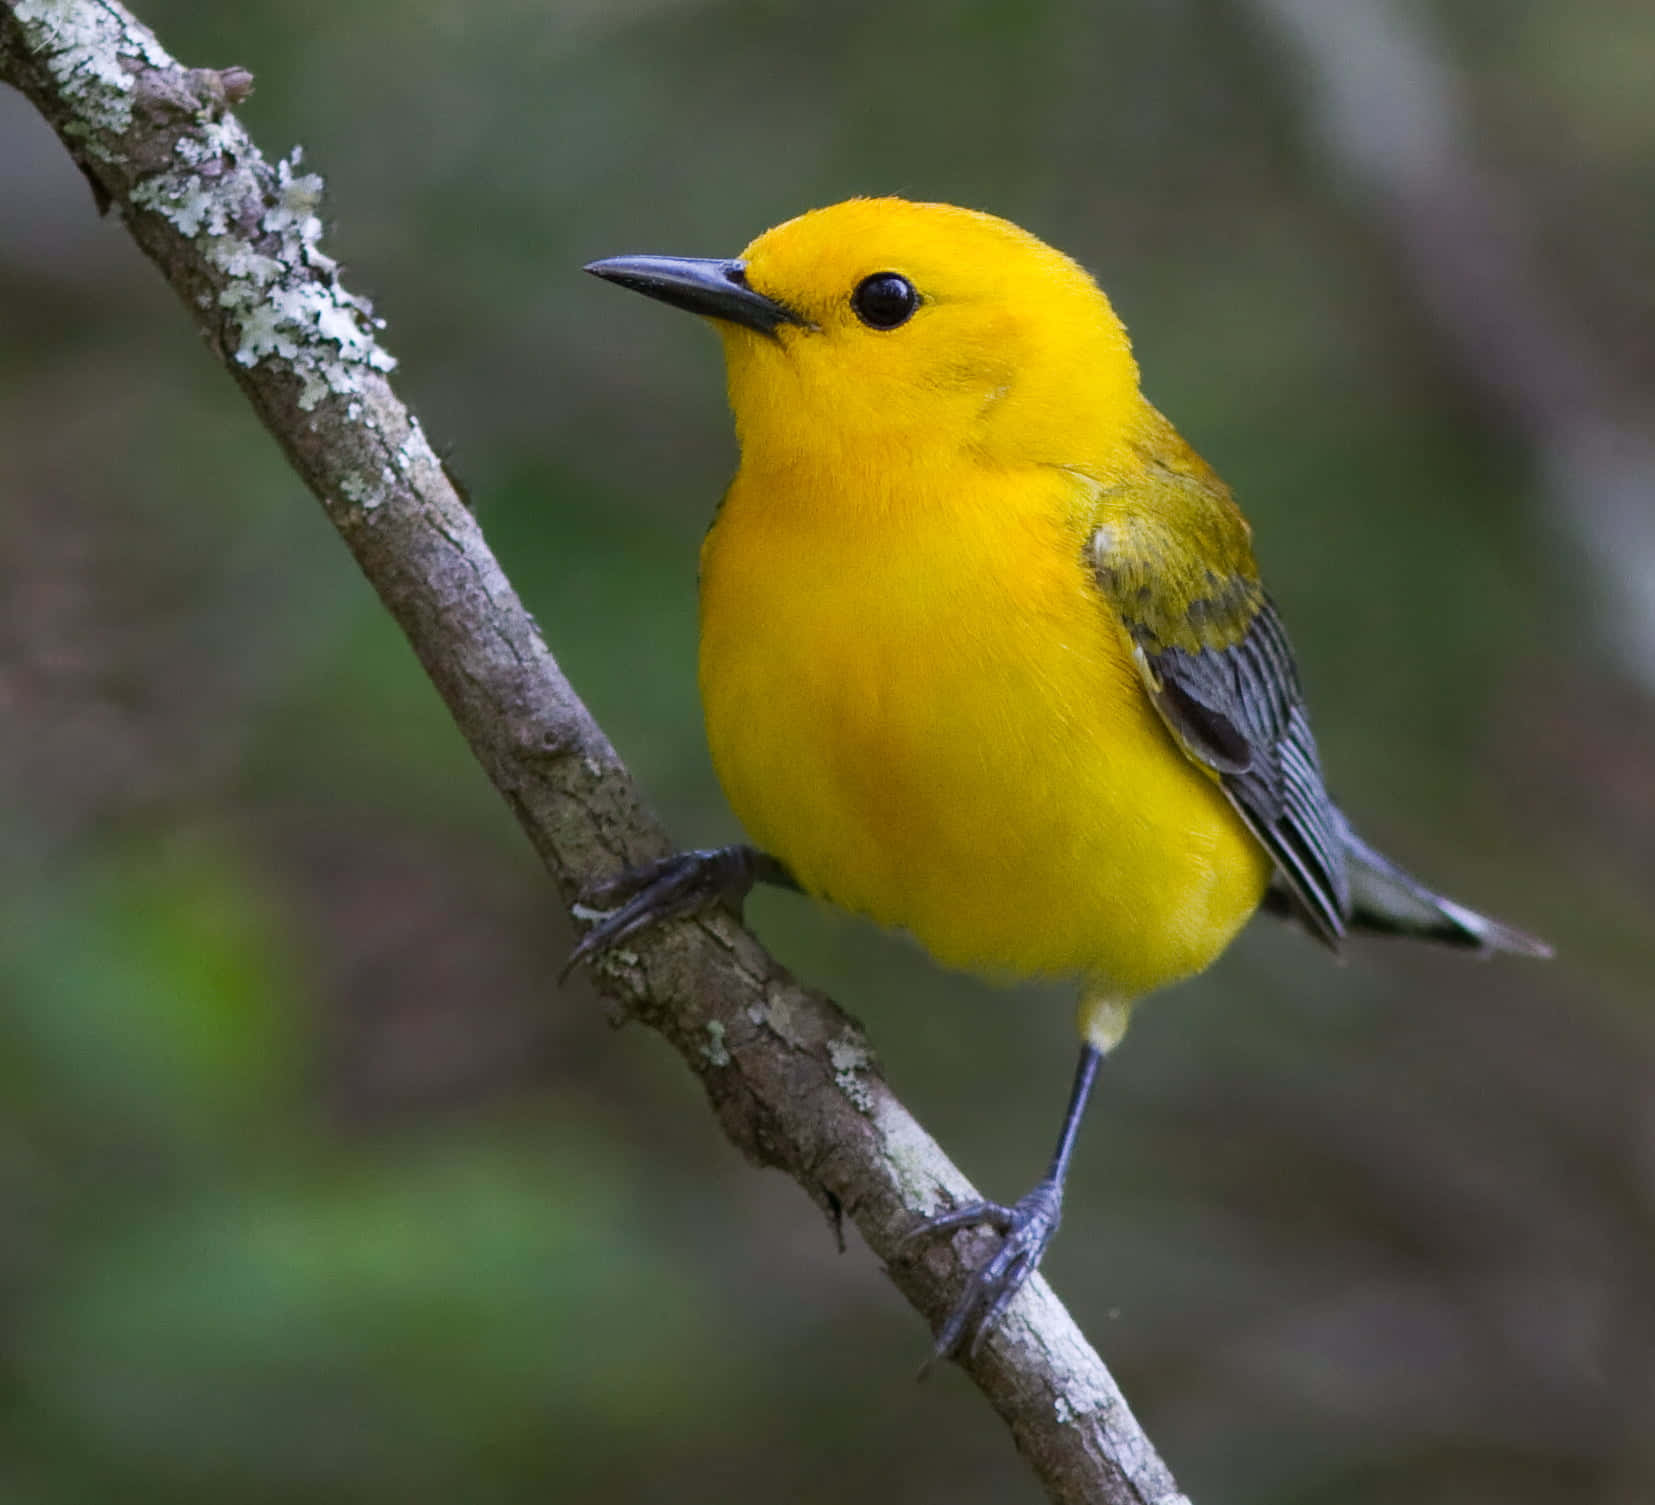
(715, 289)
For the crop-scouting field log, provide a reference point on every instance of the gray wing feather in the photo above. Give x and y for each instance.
(1240, 711)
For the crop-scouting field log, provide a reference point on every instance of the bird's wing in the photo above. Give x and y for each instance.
(1172, 556)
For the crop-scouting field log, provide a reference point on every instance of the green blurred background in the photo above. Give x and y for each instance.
(315, 1187)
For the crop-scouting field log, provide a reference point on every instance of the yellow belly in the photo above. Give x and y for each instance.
(929, 714)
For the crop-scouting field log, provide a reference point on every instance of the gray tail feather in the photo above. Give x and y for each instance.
(1385, 900)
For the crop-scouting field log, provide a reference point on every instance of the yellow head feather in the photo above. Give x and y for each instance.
(1014, 351)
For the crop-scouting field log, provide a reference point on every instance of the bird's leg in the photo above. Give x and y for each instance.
(1028, 1227)
(673, 886)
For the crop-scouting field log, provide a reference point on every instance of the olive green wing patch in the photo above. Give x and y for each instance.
(1218, 667)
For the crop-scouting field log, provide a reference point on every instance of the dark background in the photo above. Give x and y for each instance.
(314, 1187)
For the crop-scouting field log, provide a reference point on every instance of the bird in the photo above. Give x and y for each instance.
(984, 652)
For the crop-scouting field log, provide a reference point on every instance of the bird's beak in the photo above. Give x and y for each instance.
(715, 289)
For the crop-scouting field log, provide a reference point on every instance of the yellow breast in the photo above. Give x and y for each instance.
(926, 710)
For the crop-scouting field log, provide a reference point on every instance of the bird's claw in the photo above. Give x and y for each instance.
(667, 889)
(1026, 1228)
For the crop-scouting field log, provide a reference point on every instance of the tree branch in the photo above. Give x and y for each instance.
(789, 1076)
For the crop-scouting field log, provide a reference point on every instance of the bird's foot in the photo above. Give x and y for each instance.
(681, 884)
(1027, 1229)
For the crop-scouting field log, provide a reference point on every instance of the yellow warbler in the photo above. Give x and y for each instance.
(984, 651)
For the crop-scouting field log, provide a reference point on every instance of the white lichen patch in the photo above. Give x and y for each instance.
(187, 201)
(214, 139)
(849, 1058)
(86, 48)
(912, 1154)
(778, 1014)
(1067, 1410)
(715, 1050)
(280, 290)
(310, 320)
(371, 491)
(415, 449)
(406, 459)
(258, 229)
(242, 262)
(298, 197)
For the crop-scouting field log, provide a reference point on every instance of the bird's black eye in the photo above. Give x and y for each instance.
(884, 300)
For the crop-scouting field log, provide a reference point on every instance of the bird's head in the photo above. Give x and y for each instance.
(883, 325)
